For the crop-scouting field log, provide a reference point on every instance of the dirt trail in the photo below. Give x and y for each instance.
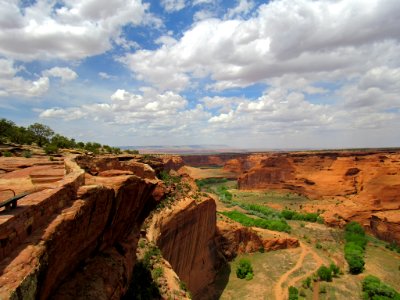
(316, 290)
(280, 292)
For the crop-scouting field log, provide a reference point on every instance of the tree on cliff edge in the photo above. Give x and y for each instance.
(41, 133)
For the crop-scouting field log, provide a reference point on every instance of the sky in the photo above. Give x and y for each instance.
(241, 73)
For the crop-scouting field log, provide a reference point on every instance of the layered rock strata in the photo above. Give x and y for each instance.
(75, 241)
(185, 235)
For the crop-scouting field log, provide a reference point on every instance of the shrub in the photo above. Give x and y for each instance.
(324, 273)
(7, 154)
(373, 288)
(157, 272)
(50, 149)
(334, 269)
(27, 154)
(293, 293)
(249, 276)
(293, 215)
(306, 283)
(244, 268)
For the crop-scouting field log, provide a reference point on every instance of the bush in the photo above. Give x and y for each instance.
(244, 269)
(373, 288)
(157, 272)
(334, 269)
(293, 293)
(355, 247)
(50, 149)
(324, 273)
(7, 154)
(306, 283)
(249, 276)
(27, 154)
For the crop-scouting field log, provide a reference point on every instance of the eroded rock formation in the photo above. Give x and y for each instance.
(75, 234)
(185, 235)
(361, 183)
(233, 239)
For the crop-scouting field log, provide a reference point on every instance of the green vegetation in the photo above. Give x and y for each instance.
(223, 194)
(293, 293)
(27, 154)
(334, 269)
(374, 289)
(355, 247)
(45, 137)
(244, 269)
(278, 225)
(294, 215)
(168, 179)
(50, 149)
(143, 284)
(324, 273)
(393, 247)
(201, 183)
(306, 283)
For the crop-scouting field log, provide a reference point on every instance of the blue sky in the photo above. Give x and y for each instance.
(245, 73)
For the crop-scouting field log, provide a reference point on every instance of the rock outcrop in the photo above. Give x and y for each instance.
(76, 240)
(233, 239)
(185, 235)
(386, 226)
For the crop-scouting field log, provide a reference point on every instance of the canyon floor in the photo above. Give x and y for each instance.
(275, 271)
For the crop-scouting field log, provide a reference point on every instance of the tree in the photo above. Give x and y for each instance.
(244, 268)
(62, 141)
(41, 133)
(6, 129)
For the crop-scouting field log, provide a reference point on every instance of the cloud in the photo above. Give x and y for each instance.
(66, 74)
(13, 85)
(300, 37)
(198, 2)
(75, 30)
(173, 5)
(65, 114)
(243, 7)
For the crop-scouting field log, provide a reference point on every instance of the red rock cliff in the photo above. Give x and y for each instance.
(185, 235)
(84, 248)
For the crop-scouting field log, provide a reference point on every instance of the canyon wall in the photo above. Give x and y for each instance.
(346, 185)
(217, 160)
(185, 235)
(76, 240)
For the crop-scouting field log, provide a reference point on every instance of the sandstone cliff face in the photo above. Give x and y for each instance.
(233, 239)
(86, 250)
(185, 235)
(209, 160)
(362, 183)
(386, 226)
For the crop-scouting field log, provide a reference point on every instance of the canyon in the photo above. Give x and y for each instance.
(75, 235)
(362, 186)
